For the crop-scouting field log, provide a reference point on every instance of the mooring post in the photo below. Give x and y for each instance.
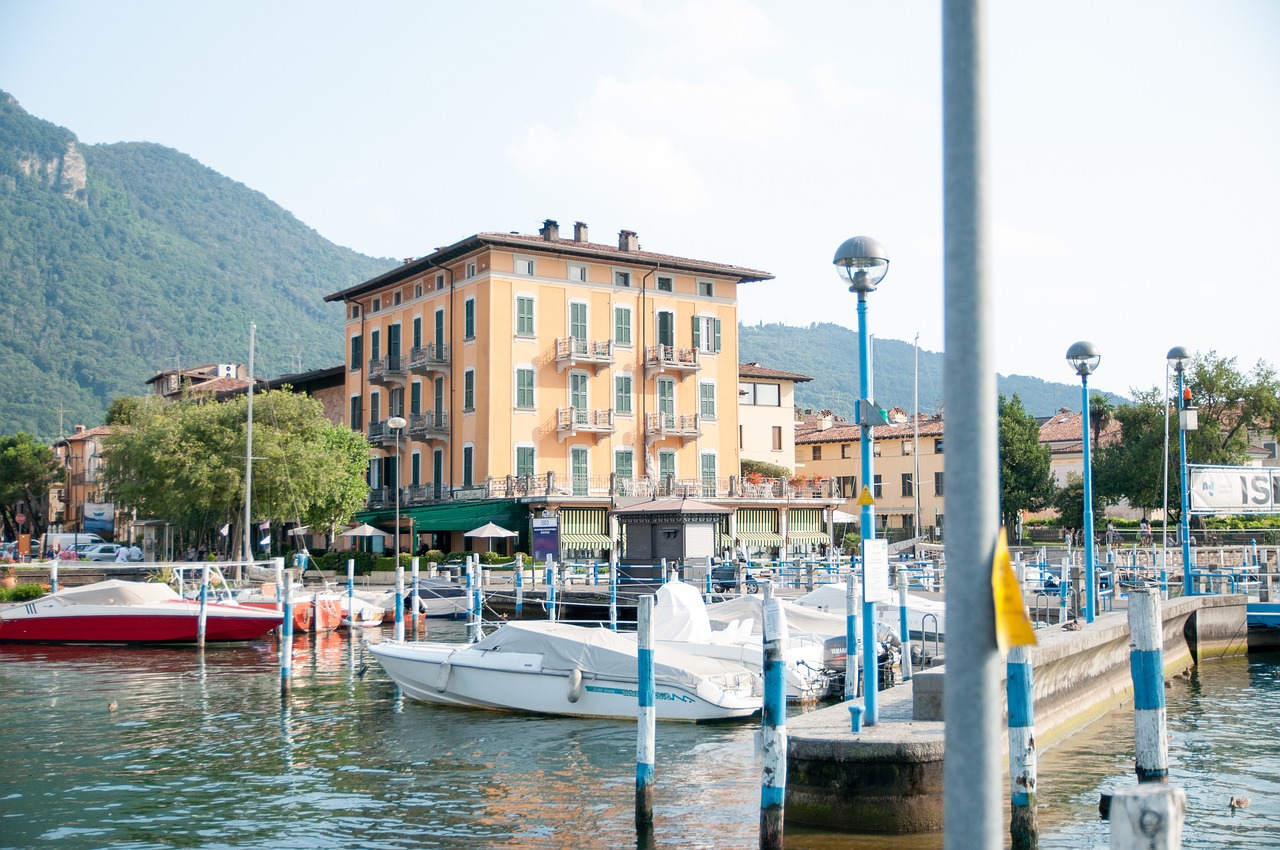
(399, 600)
(351, 596)
(479, 591)
(551, 589)
(1064, 584)
(279, 564)
(1147, 817)
(646, 689)
(413, 595)
(286, 635)
(202, 621)
(904, 626)
(1146, 662)
(773, 725)
(519, 585)
(1022, 749)
(613, 590)
(851, 636)
(53, 576)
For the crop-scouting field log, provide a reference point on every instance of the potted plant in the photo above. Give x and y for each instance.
(9, 578)
(755, 479)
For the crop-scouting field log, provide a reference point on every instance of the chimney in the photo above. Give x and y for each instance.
(550, 231)
(627, 241)
(580, 231)
(79, 429)
(824, 421)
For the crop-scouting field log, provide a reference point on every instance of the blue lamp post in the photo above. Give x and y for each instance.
(1084, 358)
(862, 263)
(1178, 358)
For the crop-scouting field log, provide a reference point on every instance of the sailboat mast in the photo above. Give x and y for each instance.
(248, 459)
(915, 439)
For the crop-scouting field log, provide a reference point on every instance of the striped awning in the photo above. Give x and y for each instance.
(762, 539)
(726, 542)
(586, 541)
(809, 537)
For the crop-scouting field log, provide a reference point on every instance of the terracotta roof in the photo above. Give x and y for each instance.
(930, 427)
(95, 431)
(1066, 425)
(219, 385)
(755, 370)
(536, 244)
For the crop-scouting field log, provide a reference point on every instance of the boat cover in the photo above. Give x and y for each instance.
(680, 614)
(602, 652)
(830, 597)
(800, 620)
(117, 592)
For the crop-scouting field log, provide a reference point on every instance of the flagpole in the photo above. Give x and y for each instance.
(248, 461)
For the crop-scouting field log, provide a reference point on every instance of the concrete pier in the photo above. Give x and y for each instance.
(888, 778)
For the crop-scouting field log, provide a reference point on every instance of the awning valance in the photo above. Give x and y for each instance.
(586, 541)
(454, 516)
(809, 537)
(762, 539)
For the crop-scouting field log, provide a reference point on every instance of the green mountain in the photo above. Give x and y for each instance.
(120, 260)
(829, 354)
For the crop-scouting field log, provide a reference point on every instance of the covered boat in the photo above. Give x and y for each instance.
(116, 611)
(545, 667)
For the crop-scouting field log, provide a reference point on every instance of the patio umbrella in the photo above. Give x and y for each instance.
(490, 531)
(364, 530)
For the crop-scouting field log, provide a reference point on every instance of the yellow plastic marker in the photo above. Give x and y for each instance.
(1013, 626)
(865, 498)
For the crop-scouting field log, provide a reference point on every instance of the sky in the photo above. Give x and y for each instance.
(1134, 173)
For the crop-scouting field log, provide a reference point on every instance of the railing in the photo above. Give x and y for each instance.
(388, 368)
(429, 358)
(573, 419)
(573, 350)
(433, 423)
(380, 434)
(671, 425)
(660, 358)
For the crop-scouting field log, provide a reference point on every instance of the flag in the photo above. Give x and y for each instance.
(264, 525)
(264, 541)
(225, 528)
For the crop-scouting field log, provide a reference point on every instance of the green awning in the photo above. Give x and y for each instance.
(456, 516)
(586, 541)
(762, 539)
(809, 537)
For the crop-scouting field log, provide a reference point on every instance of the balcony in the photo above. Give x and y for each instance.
(659, 359)
(387, 370)
(429, 358)
(659, 426)
(571, 352)
(571, 421)
(432, 425)
(380, 435)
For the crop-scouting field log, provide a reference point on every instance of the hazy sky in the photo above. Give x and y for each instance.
(1134, 146)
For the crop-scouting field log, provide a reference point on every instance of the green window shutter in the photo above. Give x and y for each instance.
(715, 346)
(697, 333)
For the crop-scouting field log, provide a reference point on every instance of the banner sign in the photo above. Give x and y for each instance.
(99, 518)
(875, 570)
(546, 538)
(1234, 490)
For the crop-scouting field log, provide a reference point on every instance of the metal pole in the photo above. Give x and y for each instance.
(202, 621)
(646, 688)
(1022, 749)
(1184, 521)
(286, 636)
(1090, 601)
(870, 667)
(399, 601)
(1146, 665)
(248, 458)
(773, 726)
(851, 636)
(904, 626)
(279, 564)
(351, 596)
(519, 586)
(551, 589)
(413, 595)
(973, 794)
(613, 590)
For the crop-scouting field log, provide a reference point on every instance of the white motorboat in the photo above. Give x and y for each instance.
(924, 616)
(681, 621)
(367, 614)
(545, 667)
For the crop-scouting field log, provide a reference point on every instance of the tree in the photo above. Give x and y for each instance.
(184, 461)
(27, 472)
(1130, 467)
(122, 410)
(1069, 502)
(1100, 415)
(1026, 484)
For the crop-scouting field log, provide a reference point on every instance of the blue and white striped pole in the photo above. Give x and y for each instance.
(851, 636)
(519, 586)
(478, 585)
(53, 575)
(646, 688)
(1146, 662)
(279, 563)
(413, 595)
(286, 635)
(551, 589)
(399, 601)
(351, 596)
(773, 725)
(1022, 749)
(203, 620)
(613, 590)
(904, 626)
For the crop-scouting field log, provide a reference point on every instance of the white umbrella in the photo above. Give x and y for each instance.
(841, 516)
(364, 530)
(490, 530)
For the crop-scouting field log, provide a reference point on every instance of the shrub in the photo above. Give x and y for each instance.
(434, 556)
(494, 558)
(21, 593)
(337, 561)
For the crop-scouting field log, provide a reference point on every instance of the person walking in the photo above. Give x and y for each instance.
(122, 554)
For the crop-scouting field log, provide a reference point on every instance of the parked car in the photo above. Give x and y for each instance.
(724, 577)
(97, 552)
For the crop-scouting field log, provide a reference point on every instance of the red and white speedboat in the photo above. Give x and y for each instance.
(117, 611)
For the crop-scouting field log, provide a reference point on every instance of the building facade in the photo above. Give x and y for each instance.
(766, 414)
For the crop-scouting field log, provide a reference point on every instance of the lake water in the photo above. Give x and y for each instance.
(202, 754)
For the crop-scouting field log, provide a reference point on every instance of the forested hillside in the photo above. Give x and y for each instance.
(829, 354)
(120, 260)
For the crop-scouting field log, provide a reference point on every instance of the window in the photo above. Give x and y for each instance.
(417, 332)
(415, 398)
(469, 390)
(817, 452)
(666, 465)
(417, 290)
(624, 464)
(578, 325)
(667, 401)
(577, 273)
(375, 345)
(357, 413)
(908, 447)
(877, 488)
(439, 332)
(375, 407)
(468, 464)
(524, 265)
(524, 388)
(471, 269)
(439, 281)
(708, 475)
(622, 325)
(355, 311)
(524, 460)
(578, 396)
(578, 470)
(937, 483)
(415, 469)
(760, 395)
(664, 284)
(622, 395)
(377, 305)
(524, 315)
(706, 334)
(875, 449)
(469, 319)
(908, 487)
(707, 400)
(848, 485)
(706, 288)
(845, 450)
(357, 352)
(666, 327)
(437, 472)
(777, 438)
(621, 278)
(395, 298)
(395, 402)
(937, 446)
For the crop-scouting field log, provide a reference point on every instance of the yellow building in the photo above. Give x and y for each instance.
(544, 373)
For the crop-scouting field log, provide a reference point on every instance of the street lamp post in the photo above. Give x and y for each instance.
(397, 423)
(1084, 358)
(862, 263)
(1178, 358)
